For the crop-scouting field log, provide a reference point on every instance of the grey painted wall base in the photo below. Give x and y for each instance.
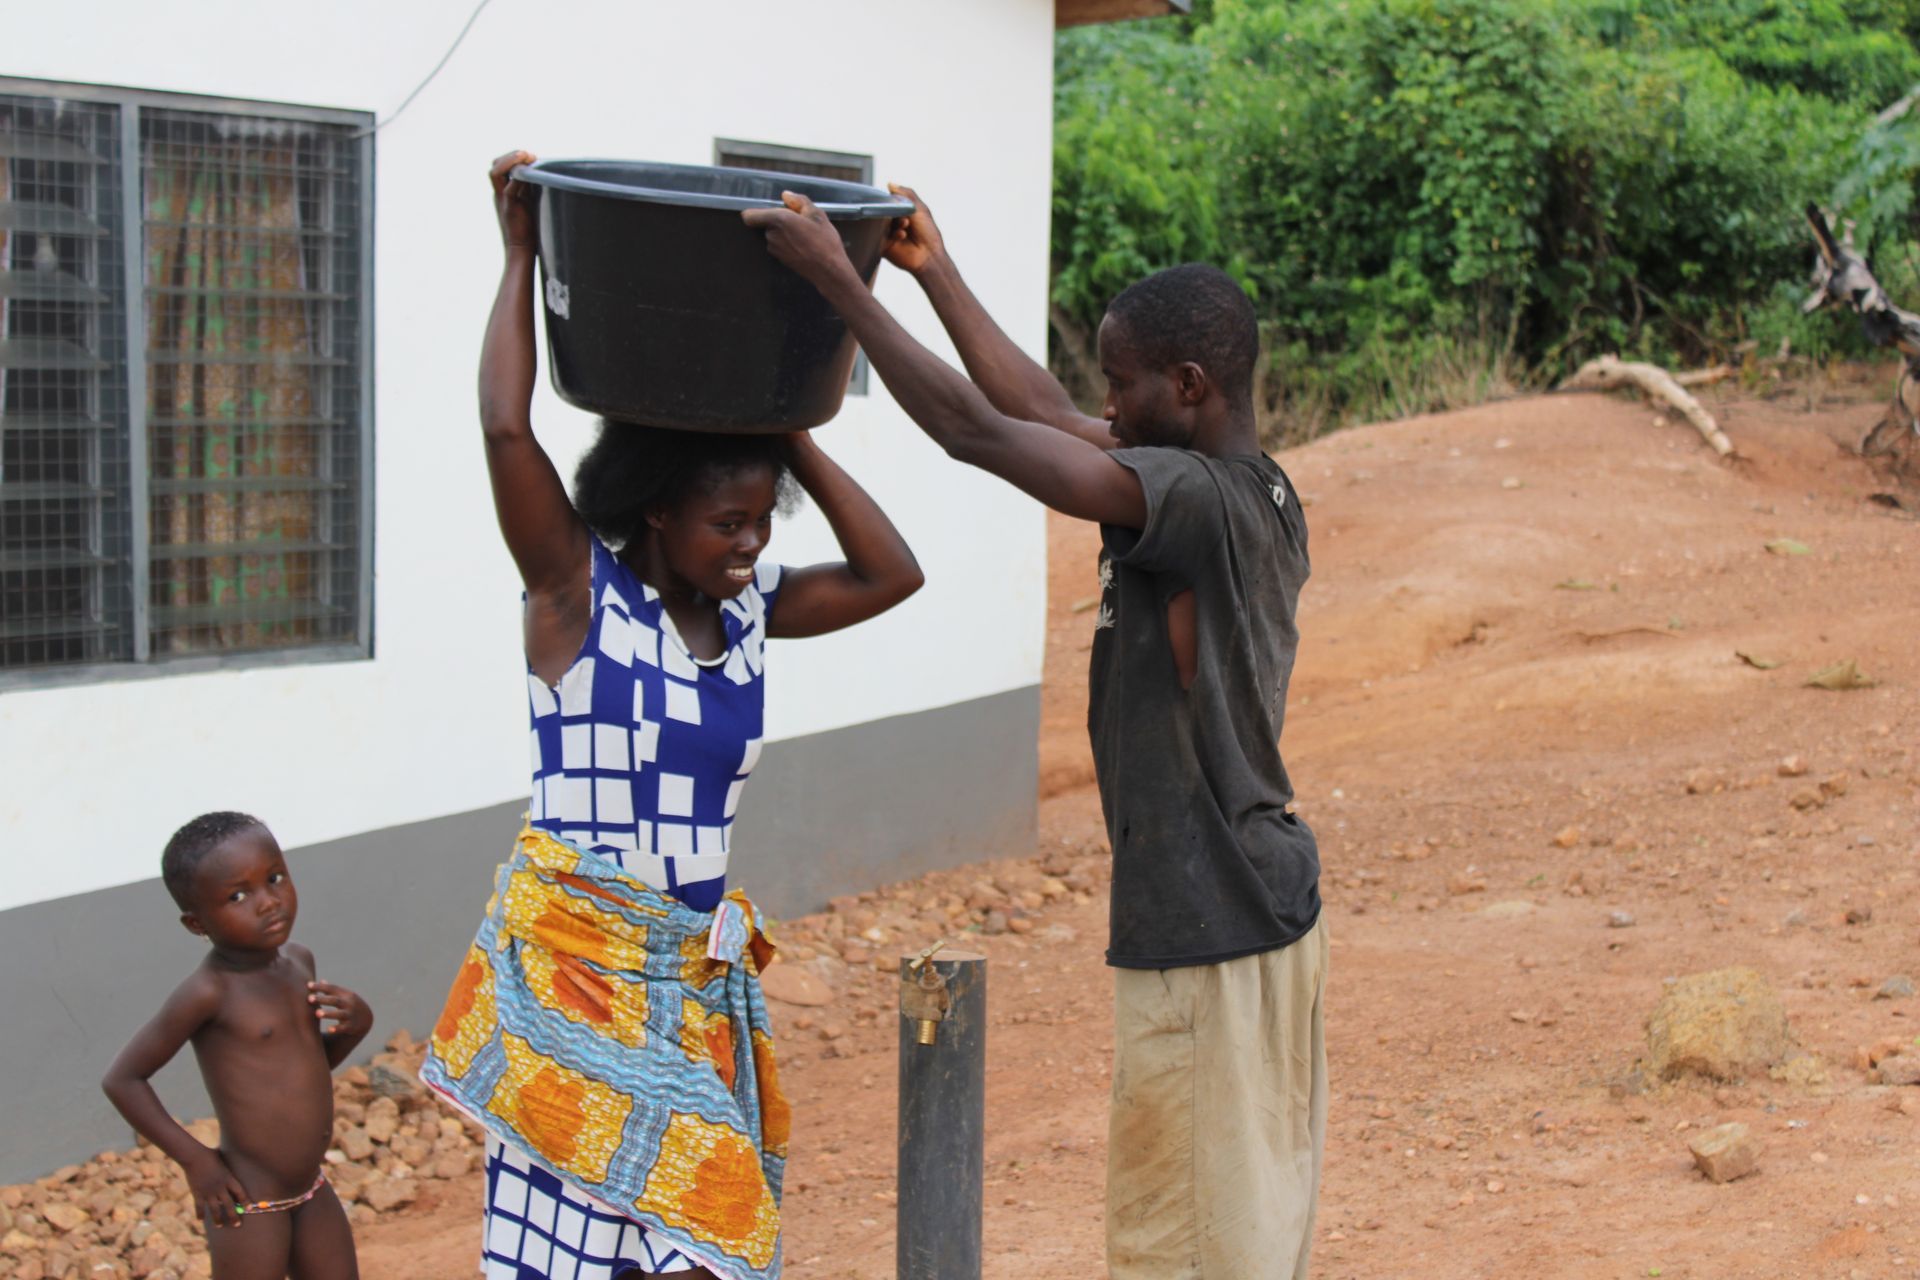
(388, 913)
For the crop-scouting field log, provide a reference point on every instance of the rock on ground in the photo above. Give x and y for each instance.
(1726, 1152)
(793, 985)
(1898, 987)
(1726, 1025)
(1903, 1070)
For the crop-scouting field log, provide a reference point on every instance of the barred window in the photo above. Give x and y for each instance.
(808, 162)
(184, 373)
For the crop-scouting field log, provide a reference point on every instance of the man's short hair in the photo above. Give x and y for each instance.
(1192, 313)
(195, 841)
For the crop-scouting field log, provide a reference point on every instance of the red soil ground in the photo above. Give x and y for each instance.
(1517, 710)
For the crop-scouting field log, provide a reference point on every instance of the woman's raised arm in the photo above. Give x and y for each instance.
(879, 571)
(545, 536)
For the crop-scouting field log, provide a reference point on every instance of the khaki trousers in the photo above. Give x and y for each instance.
(1219, 1117)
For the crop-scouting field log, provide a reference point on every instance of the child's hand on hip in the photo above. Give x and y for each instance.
(217, 1194)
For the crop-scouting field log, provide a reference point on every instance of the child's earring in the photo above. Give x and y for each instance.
(192, 924)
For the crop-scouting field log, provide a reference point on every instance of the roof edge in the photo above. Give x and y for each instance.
(1077, 13)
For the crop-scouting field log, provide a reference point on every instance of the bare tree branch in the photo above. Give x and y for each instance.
(1611, 372)
(1841, 276)
(1899, 108)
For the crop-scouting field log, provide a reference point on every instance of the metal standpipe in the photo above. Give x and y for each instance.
(943, 1091)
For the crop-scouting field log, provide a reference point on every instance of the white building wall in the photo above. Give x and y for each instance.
(954, 99)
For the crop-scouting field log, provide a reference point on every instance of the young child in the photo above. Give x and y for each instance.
(257, 1019)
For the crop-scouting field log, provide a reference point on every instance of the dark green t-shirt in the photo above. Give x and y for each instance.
(1208, 865)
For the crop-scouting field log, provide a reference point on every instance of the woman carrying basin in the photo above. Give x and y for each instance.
(606, 1028)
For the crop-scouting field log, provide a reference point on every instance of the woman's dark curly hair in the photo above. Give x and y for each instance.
(631, 470)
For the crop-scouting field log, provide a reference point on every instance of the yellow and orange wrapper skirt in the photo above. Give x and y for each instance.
(619, 1038)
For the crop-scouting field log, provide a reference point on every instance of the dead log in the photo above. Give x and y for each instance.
(1841, 277)
(1704, 377)
(1609, 373)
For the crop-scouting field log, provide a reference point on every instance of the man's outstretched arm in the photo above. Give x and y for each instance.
(1064, 471)
(1013, 381)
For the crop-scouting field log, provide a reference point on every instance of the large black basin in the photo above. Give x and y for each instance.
(664, 308)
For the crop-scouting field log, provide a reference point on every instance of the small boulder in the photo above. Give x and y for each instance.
(791, 984)
(415, 1151)
(385, 1194)
(383, 1119)
(1725, 1025)
(1903, 1070)
(1868, 1056)
(355, 1144)
(144, 1261)
(388, 1082)
(65, 1216)
(1898, 987)
(1801, 1070)
(1727, 1152)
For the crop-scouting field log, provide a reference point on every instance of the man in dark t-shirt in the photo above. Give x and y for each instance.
(1218, 1114)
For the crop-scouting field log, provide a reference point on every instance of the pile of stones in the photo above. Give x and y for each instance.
(128, 1215)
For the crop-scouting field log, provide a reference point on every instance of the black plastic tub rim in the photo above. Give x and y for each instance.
(845, 199)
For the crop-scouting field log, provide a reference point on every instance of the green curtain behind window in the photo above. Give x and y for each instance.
(231, 399)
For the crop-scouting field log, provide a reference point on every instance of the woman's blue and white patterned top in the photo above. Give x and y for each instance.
(640, 752)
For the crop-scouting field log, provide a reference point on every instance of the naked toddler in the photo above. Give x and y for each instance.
(267, 1035)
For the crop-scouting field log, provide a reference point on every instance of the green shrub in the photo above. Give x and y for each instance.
(1432, 199)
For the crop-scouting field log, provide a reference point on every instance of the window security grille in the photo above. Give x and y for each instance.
(66, 542)
(182, 434)
(808, 162)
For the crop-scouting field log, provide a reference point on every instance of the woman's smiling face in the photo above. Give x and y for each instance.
(711, 538)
